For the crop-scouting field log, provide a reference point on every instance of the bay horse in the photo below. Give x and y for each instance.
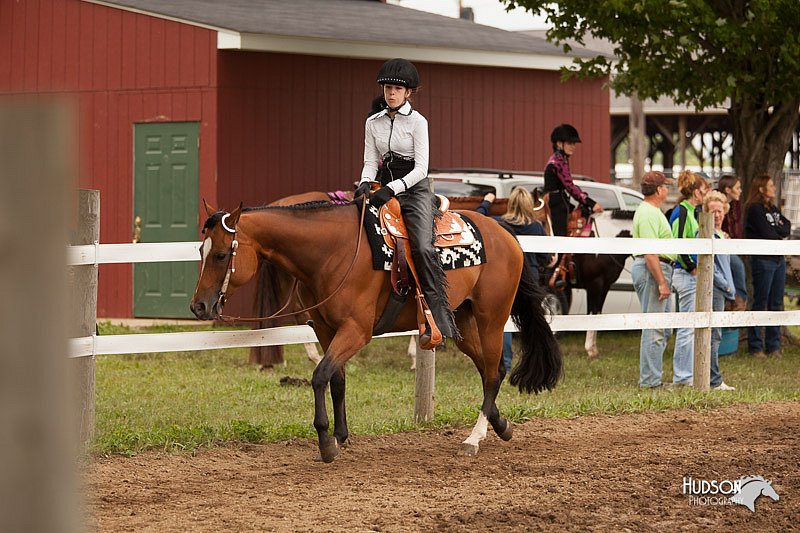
(319, 244)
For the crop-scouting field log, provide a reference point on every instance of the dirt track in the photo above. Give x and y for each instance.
(589, 473)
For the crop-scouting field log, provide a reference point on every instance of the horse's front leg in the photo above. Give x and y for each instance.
(339, 411)
(345, 343)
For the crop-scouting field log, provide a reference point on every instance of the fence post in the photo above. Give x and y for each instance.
(38, 490)
(84, 297)
(424, 384)
(704, 304)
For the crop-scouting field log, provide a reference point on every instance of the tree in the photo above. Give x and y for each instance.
(698, 52)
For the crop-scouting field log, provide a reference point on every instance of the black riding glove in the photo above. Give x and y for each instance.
(362, 189)
(381, 196)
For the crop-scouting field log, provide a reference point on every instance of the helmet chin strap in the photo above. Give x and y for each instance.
(395, 109)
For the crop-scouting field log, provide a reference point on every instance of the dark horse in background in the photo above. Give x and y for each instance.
(324, 247)
(596, 273)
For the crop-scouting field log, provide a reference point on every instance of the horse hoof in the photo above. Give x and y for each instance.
(468, 450)
(508, 433)
(329, 453)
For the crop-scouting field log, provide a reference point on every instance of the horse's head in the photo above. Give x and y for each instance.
(228, 261)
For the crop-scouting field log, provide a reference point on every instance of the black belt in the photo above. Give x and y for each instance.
(665, 260)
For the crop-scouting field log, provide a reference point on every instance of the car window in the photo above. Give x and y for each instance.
(456, 188)
(605, 197)
(631, 201)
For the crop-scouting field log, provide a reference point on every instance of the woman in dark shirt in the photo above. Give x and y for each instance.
(763, 220)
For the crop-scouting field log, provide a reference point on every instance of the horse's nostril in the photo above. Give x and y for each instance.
(198, 308)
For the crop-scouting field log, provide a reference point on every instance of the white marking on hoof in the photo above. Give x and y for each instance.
(591, 345)
(470, 446)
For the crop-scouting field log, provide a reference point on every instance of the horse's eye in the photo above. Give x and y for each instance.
(220, 256)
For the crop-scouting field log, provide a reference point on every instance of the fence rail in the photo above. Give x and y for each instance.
(207, 340)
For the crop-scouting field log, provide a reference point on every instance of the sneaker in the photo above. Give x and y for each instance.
(723, 386)
(775, 355)
(759, 355)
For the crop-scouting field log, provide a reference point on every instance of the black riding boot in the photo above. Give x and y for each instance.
(417, 205)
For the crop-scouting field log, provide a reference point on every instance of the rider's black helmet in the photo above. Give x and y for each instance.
(565, 133)
(399, 72)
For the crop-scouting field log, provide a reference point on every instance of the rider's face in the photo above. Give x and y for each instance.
(567, 147)
(395, 95)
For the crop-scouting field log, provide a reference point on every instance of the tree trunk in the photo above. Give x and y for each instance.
(762, 135)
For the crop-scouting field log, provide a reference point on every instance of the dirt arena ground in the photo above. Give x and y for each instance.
(621, 473)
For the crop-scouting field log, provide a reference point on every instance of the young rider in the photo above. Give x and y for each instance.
(397, 137)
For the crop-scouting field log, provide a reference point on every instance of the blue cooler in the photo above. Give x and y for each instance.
(729, 343)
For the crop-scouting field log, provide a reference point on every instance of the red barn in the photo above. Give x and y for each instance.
(252, 100)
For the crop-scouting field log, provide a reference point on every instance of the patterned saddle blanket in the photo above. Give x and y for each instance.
(459, 245)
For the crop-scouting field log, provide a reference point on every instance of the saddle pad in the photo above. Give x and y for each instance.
(452, 257)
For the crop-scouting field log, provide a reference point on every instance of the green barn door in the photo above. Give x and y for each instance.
(165, 209)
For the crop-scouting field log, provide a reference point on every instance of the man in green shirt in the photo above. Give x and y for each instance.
(652, 275)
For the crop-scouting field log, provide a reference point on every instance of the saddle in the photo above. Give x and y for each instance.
(450, 230)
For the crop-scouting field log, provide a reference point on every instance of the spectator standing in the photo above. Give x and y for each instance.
(683, 220)
(520, 216)
(652, 275)
(724, 289)
(731, 187)
(763, 220)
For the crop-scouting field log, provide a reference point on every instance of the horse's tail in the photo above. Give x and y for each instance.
(540, 365)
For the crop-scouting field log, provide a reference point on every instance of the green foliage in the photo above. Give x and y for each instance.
(698, 52)
(178, 402)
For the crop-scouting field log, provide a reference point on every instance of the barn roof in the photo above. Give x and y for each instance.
(355, 28)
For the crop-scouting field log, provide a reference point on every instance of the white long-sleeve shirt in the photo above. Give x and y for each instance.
(406, 135)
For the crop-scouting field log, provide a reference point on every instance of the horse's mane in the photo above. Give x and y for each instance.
(315, 205)
(745, 480)
(305, 206)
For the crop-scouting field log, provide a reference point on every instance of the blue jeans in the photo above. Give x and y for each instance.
(716, 337)
(683, 359)
(739, 280)
(654, 341)
(769, 277)
(508, 355)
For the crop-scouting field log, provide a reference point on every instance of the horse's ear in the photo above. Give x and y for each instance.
(209, 210)
(235, 215)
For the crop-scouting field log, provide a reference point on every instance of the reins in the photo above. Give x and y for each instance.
(277, 314)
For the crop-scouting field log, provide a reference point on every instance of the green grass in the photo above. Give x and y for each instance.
(182, 401)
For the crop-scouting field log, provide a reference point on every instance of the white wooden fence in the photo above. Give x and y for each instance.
(208, 340)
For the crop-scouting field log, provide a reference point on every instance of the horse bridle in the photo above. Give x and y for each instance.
(231, 269)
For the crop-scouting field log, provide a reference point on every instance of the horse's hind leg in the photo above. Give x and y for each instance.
(486, 352)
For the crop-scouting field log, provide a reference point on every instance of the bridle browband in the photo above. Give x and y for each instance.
(232, 268)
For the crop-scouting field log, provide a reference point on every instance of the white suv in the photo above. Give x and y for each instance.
(613, 198)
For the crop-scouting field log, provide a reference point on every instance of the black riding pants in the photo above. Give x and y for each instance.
(559, 212)
(417, 205)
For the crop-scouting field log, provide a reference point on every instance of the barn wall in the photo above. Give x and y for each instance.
(295, 123)
(116, 68)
